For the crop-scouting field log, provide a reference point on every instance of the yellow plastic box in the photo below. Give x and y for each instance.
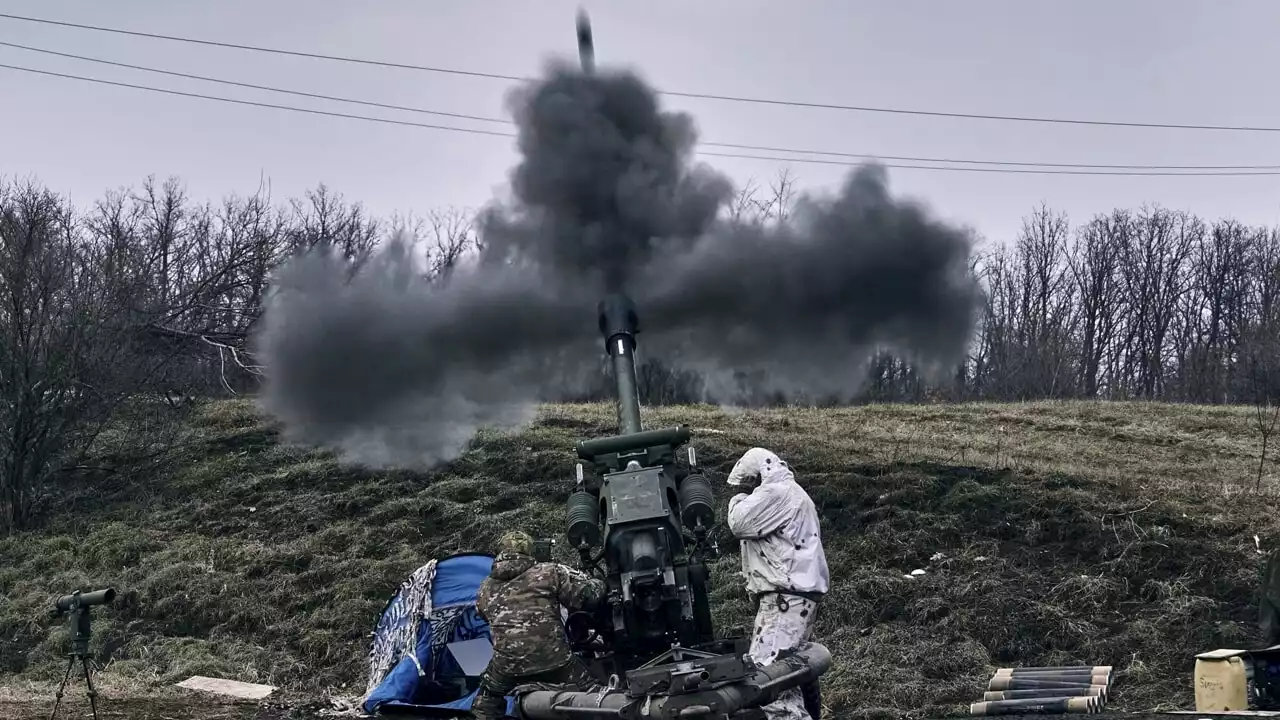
(1222, 680)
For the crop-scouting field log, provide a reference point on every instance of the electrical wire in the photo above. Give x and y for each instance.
(702, 96)
(739, 146)
(496, 133)
(259, 104)
(268, 88)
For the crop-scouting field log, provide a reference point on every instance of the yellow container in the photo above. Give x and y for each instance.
(1222, 681)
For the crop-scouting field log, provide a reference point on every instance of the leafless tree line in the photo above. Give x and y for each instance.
(149, 296)
(1153, 304)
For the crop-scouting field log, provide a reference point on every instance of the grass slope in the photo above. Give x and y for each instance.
(1051, 534)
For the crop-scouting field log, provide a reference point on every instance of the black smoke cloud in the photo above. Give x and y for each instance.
(606, 181)
(802, 305)
(394, 370)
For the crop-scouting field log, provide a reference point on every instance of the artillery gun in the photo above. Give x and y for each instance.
(642, 523)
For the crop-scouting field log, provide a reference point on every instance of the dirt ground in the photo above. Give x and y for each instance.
(160, 709)
(187, 710)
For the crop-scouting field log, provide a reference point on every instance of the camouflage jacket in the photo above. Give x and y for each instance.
(521, 601)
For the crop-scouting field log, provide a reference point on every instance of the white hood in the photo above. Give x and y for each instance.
(778, 526)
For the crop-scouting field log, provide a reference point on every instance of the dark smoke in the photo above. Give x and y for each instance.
(805, 304)
(393, 369)
(606, 181)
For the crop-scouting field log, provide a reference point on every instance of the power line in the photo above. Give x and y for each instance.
(738, 146)
(701, 96)
(254, 48)
(255, 87)
(998, 170)
(495, 133)
(260, 104)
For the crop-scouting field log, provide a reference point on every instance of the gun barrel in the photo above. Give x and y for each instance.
(619, 325)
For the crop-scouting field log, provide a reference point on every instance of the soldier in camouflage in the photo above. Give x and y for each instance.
(521, 601)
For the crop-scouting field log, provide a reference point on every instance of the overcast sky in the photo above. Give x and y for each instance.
(1166, 61)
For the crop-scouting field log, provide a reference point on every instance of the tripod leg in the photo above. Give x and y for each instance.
(71, 663)
(88, 679)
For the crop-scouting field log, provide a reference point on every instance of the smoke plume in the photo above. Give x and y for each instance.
(394, 369)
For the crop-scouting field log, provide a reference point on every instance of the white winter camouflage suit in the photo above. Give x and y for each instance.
(781, 556)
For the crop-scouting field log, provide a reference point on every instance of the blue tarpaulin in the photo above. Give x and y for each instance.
(442, 688)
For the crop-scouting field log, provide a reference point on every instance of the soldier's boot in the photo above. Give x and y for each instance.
(488, 706)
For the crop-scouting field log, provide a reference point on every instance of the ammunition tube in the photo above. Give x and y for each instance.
(1010, 683)
(1057, 668)
(1095, 674)
(1096, 691)
(1096, 679)
(1040, 706)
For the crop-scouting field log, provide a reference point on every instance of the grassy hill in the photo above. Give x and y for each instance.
(1051, 533)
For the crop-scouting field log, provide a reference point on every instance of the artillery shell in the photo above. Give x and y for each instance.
(1096, 691)
(1018, 683)
(1098, 675)
(1045, 706)
(1099, 679)
(586, 45)
(1058, 668)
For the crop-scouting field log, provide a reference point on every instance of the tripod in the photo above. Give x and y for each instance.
(80, 620)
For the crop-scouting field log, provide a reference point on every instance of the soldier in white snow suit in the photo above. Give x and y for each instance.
(783, 563)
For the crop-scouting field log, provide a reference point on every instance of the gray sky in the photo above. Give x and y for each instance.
(1172, 61)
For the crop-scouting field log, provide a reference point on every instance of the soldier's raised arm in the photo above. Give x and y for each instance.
(577, 590)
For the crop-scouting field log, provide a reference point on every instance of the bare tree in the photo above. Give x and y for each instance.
(751, 205)
(451, 235)
(1154, 261)
(1267, 393)
(327, 220)
(96, 310)
(64, 340)
(1093, 262)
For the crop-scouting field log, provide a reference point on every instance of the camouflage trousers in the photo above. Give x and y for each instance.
(491, 702)
(782, 623)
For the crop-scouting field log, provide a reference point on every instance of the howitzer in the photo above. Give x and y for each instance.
(641, 521)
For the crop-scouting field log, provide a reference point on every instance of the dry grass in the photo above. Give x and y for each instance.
(1051, 533)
